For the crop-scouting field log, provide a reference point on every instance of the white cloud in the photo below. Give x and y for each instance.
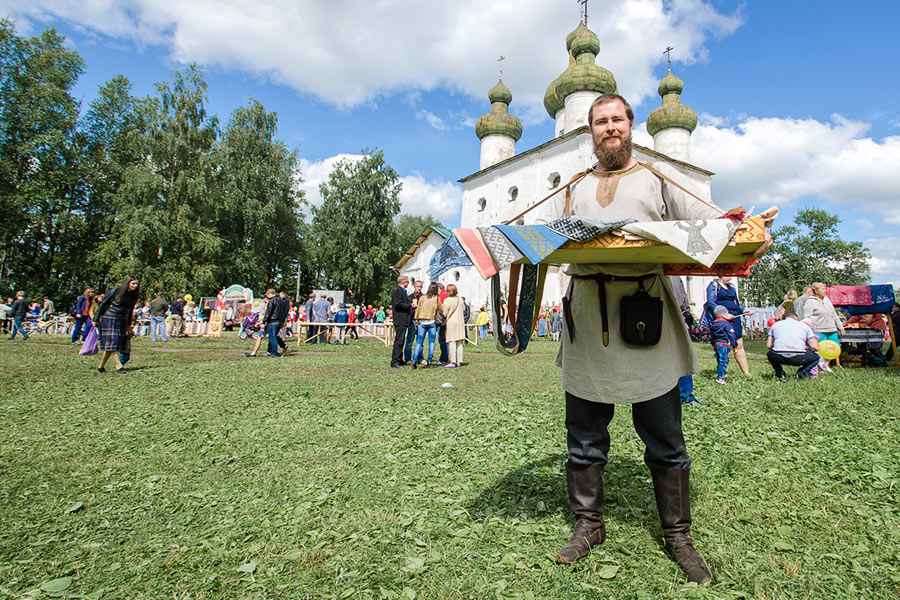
(440, 199)
(885, 262)
(762, 161)
(419, 196)
(316, 173)
(349, 53)
(432, 119)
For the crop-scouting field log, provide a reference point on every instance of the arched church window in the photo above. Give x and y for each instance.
(456, 275)
(482, 204)
(553, 180)
(513, 193)
(520, 222)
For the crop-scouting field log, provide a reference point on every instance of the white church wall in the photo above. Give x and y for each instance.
(577, 106)
(417, 266)
(559, 123)
(495, 148)
(674, 142)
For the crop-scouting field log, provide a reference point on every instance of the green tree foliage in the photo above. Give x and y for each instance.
(41, 195)
(353, 232)
(409, 228)
(150, 187)
(260, 209)
(807, 251)
(113, 130)
(164, 227)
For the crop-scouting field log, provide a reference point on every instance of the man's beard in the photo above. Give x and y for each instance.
(614, 159)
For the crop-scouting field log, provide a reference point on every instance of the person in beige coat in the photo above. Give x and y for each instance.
(453, 311)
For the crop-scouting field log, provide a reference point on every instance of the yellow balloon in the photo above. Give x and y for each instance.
(829, 349)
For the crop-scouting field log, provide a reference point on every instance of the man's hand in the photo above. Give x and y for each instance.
(768, 216)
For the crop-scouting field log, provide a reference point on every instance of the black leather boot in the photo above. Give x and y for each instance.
(673, 502)
(586, 501)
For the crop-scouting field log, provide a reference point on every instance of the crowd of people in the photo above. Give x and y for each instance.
(436, 317)
(799, 325)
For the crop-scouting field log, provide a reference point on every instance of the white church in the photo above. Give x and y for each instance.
(508, 182)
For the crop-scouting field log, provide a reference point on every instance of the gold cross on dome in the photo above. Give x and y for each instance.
(668, 53)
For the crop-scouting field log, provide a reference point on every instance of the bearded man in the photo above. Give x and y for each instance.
(601, 369)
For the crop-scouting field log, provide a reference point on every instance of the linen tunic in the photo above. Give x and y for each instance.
(621, 373)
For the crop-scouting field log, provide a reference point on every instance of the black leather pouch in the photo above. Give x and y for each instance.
(641, 317)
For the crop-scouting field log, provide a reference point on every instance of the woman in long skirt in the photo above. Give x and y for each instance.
(114, 323)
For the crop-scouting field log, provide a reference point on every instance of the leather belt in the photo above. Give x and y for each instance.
(601, 279)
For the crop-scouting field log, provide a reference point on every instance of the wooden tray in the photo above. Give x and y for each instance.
(614, 249)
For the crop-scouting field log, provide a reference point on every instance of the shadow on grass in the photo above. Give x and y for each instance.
(538, 489)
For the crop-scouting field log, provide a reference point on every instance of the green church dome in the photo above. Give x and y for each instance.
(583, 40)
(571, 36)
(498, 121)
(670, 85)
(672, 113)
(500, 93)
(584, 75)
(552, 102)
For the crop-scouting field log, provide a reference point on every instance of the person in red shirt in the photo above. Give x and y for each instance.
(351, 322)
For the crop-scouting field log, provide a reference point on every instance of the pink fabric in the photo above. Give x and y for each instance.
(474, 246)
(843, 295)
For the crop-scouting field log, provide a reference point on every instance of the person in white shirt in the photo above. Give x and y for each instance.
(792, 342)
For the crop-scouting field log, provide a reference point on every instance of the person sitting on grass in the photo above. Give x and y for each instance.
(792, 342)
(723, 338)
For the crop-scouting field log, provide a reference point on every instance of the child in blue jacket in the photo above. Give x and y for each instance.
(723, 337)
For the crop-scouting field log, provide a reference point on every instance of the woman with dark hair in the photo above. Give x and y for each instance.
(114, 322)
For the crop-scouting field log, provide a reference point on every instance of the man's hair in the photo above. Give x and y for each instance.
(270, 291)
(402, 278)
(607, 98)
(720, 311)
(790, 313)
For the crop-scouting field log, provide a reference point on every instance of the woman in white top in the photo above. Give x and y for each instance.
(821, 315)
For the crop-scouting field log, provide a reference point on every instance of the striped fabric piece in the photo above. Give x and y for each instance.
(474, 246)
(501, 249)
(535, 242)
(449, 255)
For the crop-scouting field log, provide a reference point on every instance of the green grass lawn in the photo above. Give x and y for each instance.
(204, 474)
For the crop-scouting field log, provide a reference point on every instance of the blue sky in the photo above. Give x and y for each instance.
(799, 100)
